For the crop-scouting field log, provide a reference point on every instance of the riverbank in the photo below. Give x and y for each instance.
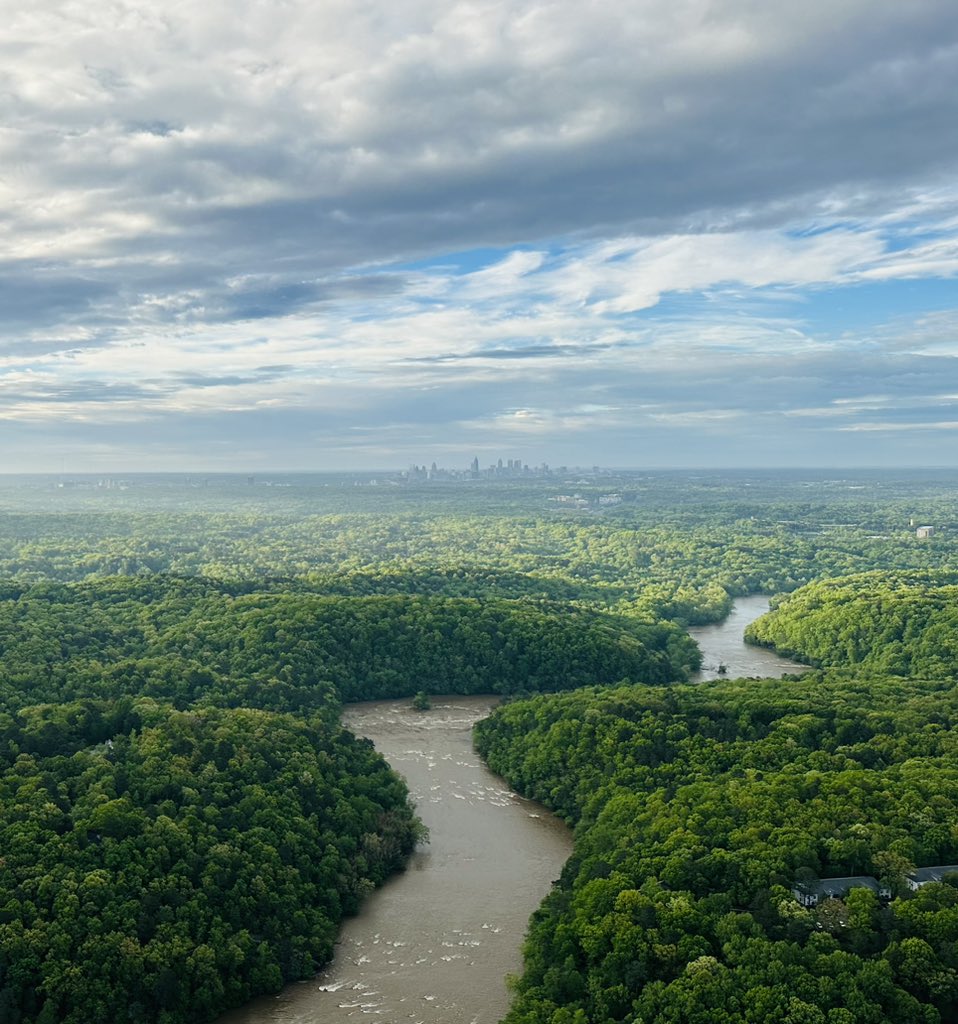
(435, 944)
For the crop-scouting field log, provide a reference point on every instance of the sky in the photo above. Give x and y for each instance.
(320, 234)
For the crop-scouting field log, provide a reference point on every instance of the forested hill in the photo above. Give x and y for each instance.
(183, 823)
(900, 623)
(158, 865)
(189, 640)
(696, 808)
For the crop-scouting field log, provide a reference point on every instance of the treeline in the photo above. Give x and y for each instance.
(899, 623)
(374, 647)
(191, 640)
(697, 808)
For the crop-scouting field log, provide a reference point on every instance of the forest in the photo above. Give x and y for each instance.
(173, 749)
(191, 641)
(697, 808)
(159, 865)
(184, 823)
(898, 623)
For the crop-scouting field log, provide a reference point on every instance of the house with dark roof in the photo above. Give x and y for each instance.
(810, 894)
(923, 876)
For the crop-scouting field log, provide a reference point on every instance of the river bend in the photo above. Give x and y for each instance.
(435, 944)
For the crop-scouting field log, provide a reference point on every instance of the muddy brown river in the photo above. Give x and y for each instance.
(434, 945)
(722, 644)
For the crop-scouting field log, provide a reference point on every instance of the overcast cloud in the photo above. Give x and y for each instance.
(295, 234)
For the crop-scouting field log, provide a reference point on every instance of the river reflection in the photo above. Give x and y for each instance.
(722, 644)
(435, 944)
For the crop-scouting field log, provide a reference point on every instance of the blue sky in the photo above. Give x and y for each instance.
(308, 235)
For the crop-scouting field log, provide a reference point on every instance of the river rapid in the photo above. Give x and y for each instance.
(435, 944)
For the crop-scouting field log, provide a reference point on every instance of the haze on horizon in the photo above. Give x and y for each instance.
(350, 234)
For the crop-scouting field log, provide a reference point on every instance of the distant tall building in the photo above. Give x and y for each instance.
(474, 468)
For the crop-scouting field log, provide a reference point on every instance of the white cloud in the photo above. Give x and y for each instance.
(896, 427)
(243, 209)
(634, 275)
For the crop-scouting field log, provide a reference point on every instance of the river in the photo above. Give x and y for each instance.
(434, 945)
(722, 644)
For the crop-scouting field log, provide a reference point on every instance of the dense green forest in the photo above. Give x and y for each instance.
(676, 547)
(900, 623)
(696, 809)
(183, 822)
(159, 865)
(192, 641)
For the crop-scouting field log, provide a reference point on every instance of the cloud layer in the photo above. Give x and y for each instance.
(320, 235)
